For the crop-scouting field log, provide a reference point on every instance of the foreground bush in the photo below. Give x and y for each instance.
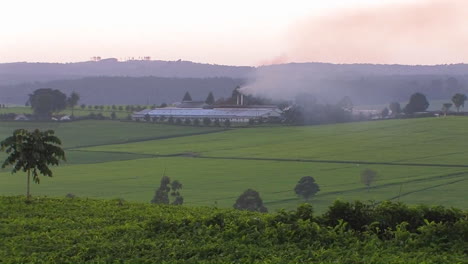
(81, 230)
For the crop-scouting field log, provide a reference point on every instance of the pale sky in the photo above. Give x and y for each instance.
(240, 32)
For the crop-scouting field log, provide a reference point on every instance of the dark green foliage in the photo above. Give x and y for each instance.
(46, 101)
(72, 101)
(395, 108)
(384, 112)
(250, 200)
(210, 100)
(196, 122)
(217, 123)
(178, 121)
(187, 97)
(187, 121)
(306, 187)
(98, 231)
(170, 120)
(113, 116)
(206, 121)
(167, 187)
(251, 121)
(147, 118)
(227, 123)
(32, 152)
(459, 100)
(417, 103)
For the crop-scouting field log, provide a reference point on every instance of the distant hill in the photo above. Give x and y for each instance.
(126, 90)
(20, 72)
(137, 81)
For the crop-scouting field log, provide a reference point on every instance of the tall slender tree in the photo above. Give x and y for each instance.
(72, 101)
(32, 152)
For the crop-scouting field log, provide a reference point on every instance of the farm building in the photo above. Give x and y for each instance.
(234, 114)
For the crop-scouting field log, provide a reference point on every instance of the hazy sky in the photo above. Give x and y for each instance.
(240, 32)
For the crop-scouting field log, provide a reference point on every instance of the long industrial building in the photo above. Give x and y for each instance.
(199, 110)
(241, 114)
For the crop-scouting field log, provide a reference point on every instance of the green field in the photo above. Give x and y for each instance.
(421, 160)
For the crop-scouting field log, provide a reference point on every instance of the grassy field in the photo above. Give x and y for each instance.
(420, 160)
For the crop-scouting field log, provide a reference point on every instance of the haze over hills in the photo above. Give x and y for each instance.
(110, 81)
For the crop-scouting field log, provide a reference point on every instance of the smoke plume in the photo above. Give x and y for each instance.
(429, 32)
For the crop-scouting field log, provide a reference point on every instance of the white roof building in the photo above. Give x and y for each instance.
(234, 114)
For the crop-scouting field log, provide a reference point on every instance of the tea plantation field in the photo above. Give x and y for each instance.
(417, 160)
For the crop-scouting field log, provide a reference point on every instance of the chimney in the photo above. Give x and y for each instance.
(242, 99)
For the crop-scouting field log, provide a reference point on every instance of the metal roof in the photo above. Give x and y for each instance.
(212, 113)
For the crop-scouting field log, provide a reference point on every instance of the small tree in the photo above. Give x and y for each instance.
(459, 100)
(250, 200)
(178, 121)
(206, 121)
(187, 97)
(210, 100)
(227, 123)
(113, 116)
(251, 121)
(217, 123)
(32, 152)
(170, 120)
(417, 103)
(147, 118)
(187, 121)
(82, 106)
(367, 177)
(385, 112)
(175, 187)
(446, 108)
(395, 108)
(161, 196)
(306, 187)
(196, 122)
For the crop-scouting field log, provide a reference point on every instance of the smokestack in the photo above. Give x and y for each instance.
(242, 99)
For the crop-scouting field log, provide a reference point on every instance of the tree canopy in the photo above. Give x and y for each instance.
(46, 101)
(417, 103)
(306, 187)
(250, 200)
(32, 152)
(459, 100)
(72, 101)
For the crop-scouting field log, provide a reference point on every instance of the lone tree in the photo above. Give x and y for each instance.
(306, 187)
(72, 101)
(367, 177)
(187, 97)
(459, 100)
(161, 196)
(417, 103)
(250, 200)
(384, 112)
(395, 108)
(210, 100)
(32, 152)
(46, 101)
(446, 108)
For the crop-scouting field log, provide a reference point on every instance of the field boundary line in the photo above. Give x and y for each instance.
(148, 139)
